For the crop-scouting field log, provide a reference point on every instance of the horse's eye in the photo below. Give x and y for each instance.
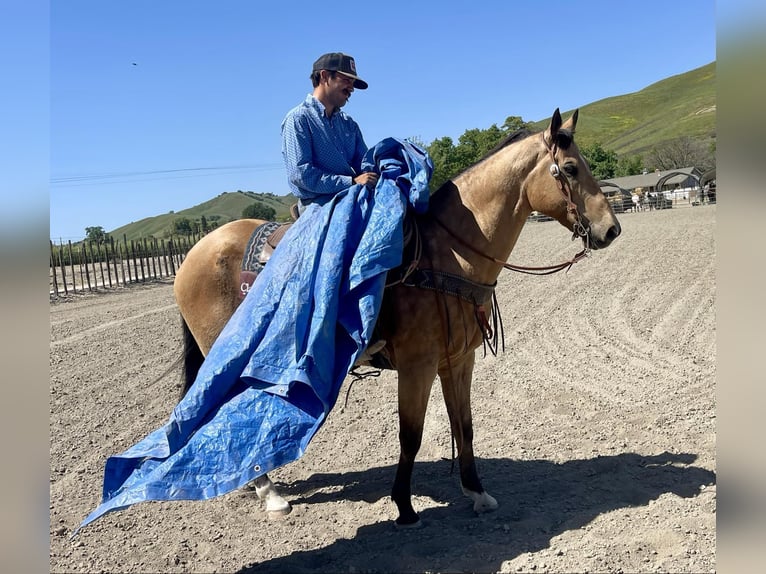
(570, 169)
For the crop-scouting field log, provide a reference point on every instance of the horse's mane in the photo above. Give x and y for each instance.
(513, 137)
(564, 139)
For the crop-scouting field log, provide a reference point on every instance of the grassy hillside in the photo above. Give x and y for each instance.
(682, 105)
(225, 207)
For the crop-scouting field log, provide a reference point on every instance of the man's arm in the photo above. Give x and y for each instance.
(302, 171)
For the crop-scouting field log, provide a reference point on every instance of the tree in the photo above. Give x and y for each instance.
(95, 234)
(602, 162)
(182, 226)
(475, 144)
(442, 153)
(682, 152)
(258, 210)
(629, 165)
(514, 124)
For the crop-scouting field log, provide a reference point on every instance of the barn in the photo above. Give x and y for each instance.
(659, 189)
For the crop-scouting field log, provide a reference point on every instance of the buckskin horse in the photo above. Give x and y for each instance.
(465, 238)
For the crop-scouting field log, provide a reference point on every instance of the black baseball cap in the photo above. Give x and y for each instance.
(339, 62)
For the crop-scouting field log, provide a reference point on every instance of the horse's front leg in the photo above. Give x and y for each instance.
(414, 391)
(456, 386)
(266, 491)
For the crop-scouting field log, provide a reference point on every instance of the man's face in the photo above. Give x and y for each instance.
(340, 89)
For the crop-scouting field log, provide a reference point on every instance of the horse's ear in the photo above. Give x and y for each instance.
(572, 121)
(553, 128)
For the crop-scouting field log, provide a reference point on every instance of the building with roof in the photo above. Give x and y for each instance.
(659, 188)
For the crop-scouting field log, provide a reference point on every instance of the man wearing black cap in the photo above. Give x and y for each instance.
(321, 145)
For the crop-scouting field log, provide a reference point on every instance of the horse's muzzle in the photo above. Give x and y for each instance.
(601, 240)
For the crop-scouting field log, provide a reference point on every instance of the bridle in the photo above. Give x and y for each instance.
(579, 228)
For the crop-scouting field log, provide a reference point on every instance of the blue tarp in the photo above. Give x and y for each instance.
(275, 371)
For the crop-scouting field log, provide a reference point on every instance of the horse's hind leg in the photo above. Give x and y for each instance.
(264, 488)
(266, 491)
(413, 400)
(193, 358)
(456, 387)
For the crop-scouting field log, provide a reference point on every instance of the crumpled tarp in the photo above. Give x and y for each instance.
(275, 371)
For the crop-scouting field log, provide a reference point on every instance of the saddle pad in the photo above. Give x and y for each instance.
(251, 260)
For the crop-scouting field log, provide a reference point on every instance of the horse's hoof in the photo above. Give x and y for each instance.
(408, 525)
(279, 512)
(484, 503)
(276, 507)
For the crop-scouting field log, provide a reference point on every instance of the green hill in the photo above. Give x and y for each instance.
(221, 209)
(682, 105)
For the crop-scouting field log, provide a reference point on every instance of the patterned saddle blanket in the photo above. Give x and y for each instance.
(259, 250)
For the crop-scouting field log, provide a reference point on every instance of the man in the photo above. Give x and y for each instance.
(322, 146)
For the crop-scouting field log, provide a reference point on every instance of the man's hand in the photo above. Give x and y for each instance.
(367, 178)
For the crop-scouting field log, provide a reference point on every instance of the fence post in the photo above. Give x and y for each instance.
(133, 257)
(89, 251)
(84, 256)
(63, 267)
(114, 261)
(164, 259)
(108, 270)
(148, 258)
(156, 257)
(185, 250)
(170, 250)
(53, 271)
(118, 251)
(138, 260)
(127, 255)
(100, 265)
(71, 267)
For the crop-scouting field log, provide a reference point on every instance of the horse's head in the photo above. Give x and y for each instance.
(563, 187)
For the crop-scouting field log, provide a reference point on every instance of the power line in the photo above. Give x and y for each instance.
(126, 177)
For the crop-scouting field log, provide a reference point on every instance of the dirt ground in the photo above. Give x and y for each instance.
(595, 430)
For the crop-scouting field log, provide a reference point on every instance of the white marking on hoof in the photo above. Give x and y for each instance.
(280, 511)
(482, 502)
(275, 505)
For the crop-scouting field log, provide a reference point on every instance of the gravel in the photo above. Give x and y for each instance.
(595, 430)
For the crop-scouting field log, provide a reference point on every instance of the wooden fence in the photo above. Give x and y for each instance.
(90, 266)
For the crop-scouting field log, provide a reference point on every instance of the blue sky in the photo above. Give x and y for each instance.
(159, 106)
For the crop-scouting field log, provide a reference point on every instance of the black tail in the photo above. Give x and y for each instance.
(193, 358)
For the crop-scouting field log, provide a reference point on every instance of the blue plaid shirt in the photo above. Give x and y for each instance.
(322, 154)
